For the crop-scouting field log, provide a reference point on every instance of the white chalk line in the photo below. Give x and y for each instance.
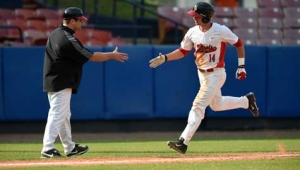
(147, 160)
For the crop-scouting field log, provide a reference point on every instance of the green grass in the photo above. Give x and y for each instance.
(157, 149)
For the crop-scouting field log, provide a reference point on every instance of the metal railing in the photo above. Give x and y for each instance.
(136, 5)
(20, 39)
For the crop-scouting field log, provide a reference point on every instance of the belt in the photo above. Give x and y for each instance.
(206, 71)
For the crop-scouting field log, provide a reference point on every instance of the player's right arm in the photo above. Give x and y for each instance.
(115, 55)
(174, 55)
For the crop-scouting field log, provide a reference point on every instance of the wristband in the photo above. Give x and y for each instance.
(241, 61)
(166, 58)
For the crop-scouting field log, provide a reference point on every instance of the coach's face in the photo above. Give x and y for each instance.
(78, 24)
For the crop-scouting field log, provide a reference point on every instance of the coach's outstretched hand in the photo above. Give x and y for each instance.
(157, 60)
(119, 56)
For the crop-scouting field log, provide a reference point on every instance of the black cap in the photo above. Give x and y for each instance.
(73, 12)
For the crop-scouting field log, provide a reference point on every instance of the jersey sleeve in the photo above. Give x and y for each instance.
(186, 42)
(228, 35)
(77, 51)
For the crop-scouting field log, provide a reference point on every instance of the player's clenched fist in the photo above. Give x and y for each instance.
(241, 73)
(158, 60)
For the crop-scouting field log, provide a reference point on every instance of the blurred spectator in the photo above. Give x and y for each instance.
(226, 3)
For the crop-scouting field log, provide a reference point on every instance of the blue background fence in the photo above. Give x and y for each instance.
(132, 90)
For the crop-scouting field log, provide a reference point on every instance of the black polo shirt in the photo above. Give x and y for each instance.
(64, 58)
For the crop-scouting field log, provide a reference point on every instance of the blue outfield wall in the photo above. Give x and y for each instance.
(133, 90)
(128, 86)
(175, 85)
(283, 82)
(1, 89)
(88, 103)
(22, 84)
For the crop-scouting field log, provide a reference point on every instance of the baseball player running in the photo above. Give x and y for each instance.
(209, 41)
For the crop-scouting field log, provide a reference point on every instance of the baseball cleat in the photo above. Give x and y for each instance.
(252, 104)
(78, 150)
(178, 146)
(53, 153)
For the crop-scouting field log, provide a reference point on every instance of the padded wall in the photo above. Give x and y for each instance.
(129, 85)
(283, 82)
(22, 84)
(88, 103)
(1, 88)
(132, 90)
(176, 84)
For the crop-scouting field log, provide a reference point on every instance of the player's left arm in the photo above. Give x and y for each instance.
(240, 72)
(233, 39)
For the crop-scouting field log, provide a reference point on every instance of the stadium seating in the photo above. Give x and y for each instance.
(24, 13)
(44, 14)
(245, 23)
(270, 13)
(164, 25)
(60, 12)
(188, 21)
(288, 41)
(244, 13)
(249, 41)
(273, 19)
(186, 18)
(36, 24)
(104, 36)
(52, 23)
(246, 33)
(291, 12)
(13, 33)
(291, 33)
(268, 3)
(290, 3)
(291, 23)
(35, 37)
(270, 34)
(224, 12)
(278, 22)
(94, 42)
(271, 42)
(270, 23)
(6, 14)
(82, 35)
(224, 21)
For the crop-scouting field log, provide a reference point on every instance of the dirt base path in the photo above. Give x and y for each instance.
(145, 160)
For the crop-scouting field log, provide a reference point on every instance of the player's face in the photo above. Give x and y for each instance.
(198, 20)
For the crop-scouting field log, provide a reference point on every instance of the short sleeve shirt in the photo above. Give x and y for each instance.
(209, 46)
(63, 61)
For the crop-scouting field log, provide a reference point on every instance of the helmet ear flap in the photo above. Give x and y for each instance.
(205, 20)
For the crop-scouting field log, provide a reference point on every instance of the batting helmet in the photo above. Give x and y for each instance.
(204, 9)
(73, 12)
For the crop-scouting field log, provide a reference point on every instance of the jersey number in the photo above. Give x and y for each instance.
(212, 58)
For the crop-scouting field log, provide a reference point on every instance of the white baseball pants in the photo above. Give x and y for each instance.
(58, 122)
(210, 94)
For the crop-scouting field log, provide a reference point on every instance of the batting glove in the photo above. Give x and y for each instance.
(158, 60)
(241, 73)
